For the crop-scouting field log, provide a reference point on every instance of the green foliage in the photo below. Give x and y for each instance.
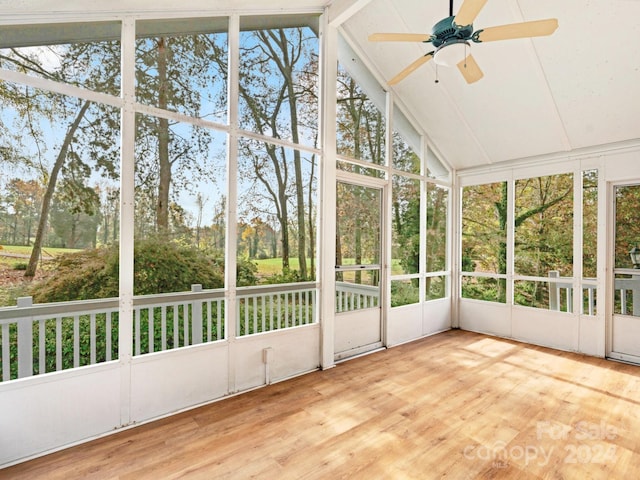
(20, 266)
(404, 292)
(287, 276)
(160, 267)
(80, 276)
(246, 272)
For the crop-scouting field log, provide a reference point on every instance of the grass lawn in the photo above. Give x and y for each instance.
(273, 266)
(13, 255)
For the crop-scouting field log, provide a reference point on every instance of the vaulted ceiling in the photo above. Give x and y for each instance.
(575, 89)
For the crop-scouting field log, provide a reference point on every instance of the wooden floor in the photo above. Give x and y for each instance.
(456, 405)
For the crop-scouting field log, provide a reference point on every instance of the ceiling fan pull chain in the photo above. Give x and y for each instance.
(465, 55)
(437, 81)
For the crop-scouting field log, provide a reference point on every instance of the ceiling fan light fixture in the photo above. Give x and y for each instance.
(451, 53)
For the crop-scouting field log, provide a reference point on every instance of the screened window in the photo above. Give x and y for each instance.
(437, 240)
(361, 125)
(277, 212)
(279, 79)
(544, 241)
(484, 241)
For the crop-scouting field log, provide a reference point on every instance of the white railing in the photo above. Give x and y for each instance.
(179, 319)
(274, 307)
(627, 293)
(51, 337)
(42, 338)
(351, 296)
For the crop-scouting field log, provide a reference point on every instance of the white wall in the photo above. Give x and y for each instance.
(565, 331)
(410, 322)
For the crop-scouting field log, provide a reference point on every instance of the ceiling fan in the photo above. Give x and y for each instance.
(451, 37)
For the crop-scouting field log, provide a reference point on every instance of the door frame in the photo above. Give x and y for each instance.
(610, 316)
(385, 242)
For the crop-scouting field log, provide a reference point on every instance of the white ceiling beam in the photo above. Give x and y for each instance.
(341, 10)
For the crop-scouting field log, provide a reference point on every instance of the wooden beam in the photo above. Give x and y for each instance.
(341, 10)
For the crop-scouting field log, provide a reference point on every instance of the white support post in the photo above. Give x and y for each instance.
(511, 215)
(454, 249)
(127, 217)
(386, 215)
(327, 220)
(230, 311)
(577, 295)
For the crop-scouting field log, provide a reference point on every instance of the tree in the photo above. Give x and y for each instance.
(274, 86)
(51, 185)
(542, 222)
(174, 73)
(23, 198)
(36, 108)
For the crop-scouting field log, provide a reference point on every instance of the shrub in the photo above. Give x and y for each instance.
(159, 267)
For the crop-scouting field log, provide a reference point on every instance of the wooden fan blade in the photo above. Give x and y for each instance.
(468, 12)
(411, 68)
(470, 69)
(399, 37)
(536, 28)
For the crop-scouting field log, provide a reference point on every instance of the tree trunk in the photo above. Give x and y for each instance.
(312, 250)
(164, 181)
(48, 194)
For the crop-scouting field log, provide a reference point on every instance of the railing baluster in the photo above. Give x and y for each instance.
(176, 329)
(163, 327)
(6, 362)
(136, 334)
(92, 338)
(219, 332)
(185, 316)
(25, 341)
(254, 302)
(264, 313)
(245, 303)
(623, 301)
(286, 309)
(209, 308)
(196, 317)
(107, 328)
(279, 311)
(76, 341)
(271, 327)
(306, 310)
(58, 343)
(150, 329)
(42, 346)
